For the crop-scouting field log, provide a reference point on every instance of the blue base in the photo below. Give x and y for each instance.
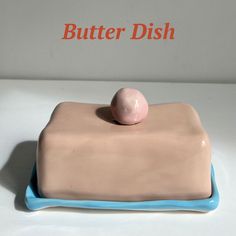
(35, 202)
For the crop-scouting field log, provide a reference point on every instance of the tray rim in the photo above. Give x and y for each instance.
(34, 202)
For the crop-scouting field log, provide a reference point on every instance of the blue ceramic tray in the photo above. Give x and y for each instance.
(35, 202)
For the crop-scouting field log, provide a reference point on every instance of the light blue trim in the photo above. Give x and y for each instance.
(35, 202)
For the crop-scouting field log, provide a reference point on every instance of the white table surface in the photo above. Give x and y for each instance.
(25, 107)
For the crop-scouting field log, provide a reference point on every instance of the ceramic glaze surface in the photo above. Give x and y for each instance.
(167, 156)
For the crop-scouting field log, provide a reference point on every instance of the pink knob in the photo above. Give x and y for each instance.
(129, 106)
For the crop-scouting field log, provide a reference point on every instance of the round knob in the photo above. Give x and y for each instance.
(129, 106)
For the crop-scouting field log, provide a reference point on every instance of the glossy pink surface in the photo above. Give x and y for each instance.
(129, 106)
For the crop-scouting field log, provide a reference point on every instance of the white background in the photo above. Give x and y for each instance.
(203, 50)
(25, 107)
